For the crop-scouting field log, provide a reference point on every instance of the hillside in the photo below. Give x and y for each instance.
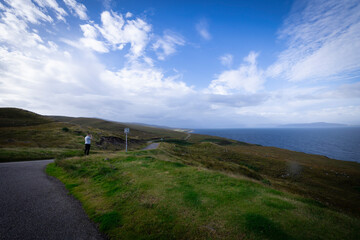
(136, 130)
(14, 117)
(296, 172)
(24, 128)
(333, 183)
(23, 131)
(158, 195)
(314, 186)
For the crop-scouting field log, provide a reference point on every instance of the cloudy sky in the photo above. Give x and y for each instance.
(183, 63)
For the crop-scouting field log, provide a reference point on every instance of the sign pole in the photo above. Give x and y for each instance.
(126, 131)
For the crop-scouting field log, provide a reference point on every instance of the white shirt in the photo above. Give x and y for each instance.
(87, 140)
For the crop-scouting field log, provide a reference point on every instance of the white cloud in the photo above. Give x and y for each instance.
(116, 33)
(94, 44)
(19, 19)
(202, 28)
(128, 15)
(15, 32)
(226, 60)
(89, 31)
(60, 12)
(82, 86)
(27, 10)
(166, 45)
(143, 83)
(296, 104)
(348, 90)
(112, 27)
(324, 42)
(236, 100)
(247, 78)
(89, 40)
(79, 9)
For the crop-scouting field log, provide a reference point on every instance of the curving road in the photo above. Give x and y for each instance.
(152, 146)
(34, 205)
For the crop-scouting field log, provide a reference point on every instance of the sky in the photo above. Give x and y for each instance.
(190, 64)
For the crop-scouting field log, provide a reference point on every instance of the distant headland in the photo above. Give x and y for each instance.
(313, 125)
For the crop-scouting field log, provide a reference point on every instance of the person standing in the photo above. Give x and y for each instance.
(87, 143)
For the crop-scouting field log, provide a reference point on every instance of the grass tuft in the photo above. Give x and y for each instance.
(260, 225)
(278, 204)
(108, 221)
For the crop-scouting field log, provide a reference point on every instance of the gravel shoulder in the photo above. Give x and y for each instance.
(37, 206)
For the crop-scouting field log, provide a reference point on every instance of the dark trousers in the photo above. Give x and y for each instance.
(87, 149)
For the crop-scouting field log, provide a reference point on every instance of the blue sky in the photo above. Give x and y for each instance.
(196, 64)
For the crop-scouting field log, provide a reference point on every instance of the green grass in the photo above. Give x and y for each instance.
(264, 227)
(26, 154)
(150, 195)
(180, 142)
(21, 128)
(14, 117)
(333, 183)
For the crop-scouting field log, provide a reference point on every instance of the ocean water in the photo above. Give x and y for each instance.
(336, 143)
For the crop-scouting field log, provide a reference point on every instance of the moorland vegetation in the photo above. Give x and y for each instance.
(192, 186)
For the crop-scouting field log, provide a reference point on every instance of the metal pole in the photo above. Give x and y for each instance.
(126, 143)
(126, 131)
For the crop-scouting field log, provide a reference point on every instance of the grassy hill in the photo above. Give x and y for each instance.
(14, 117)
(26, 135)
(333, 183)
(136, 131)
(154, 195)
(194, 186)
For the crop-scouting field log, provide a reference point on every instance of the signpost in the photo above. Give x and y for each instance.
(126, 131)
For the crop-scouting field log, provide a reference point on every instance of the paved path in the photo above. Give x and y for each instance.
(152, 146)
(34, 205)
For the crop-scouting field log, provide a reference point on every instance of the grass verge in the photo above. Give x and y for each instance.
(26, 154)
(148, 195)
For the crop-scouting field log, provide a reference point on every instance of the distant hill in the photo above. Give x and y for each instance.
(140, 131)
(22, 128)
(15, 117)
(149, 125)
(313, 125)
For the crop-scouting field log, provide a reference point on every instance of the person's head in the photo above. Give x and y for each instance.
(88, 134)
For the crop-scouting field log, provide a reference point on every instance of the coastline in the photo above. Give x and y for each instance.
(335, 143)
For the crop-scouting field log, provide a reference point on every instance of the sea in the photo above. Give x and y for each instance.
(337, 143)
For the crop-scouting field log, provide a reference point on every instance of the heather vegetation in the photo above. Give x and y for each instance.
(332, 182)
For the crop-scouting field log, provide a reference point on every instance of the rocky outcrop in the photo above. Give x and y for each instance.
(110, 140)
